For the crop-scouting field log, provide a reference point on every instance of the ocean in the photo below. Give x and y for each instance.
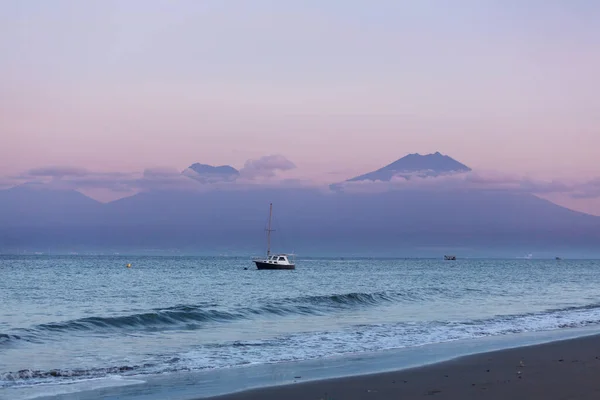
(83, 327)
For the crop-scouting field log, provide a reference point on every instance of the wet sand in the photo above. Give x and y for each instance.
(564, 370)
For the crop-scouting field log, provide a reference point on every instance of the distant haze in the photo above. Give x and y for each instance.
(419, 205)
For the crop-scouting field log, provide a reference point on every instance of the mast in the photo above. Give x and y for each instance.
(269, 230)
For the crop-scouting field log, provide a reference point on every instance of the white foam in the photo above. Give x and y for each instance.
(370, 338)
(315, 345)
(33, 391)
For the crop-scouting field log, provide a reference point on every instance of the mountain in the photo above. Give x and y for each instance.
(35, 205)
(310, 221)
(415, 165)
(209, 174)
(412, 221)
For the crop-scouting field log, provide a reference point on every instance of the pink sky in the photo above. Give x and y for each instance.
(339, 89)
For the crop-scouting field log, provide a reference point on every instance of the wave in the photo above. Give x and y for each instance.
(153, 320)
(344, 301)
(6, 338)
(29, 376)
(191, 317)
(313, 345)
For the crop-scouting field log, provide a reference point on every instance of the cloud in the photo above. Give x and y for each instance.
(57, 172)
(514, 182)
(487, 180)
(158, 178)
(266, 167)
(74, 178)
(8, 182)
(256, 173)
(160, 172)
(163, 178)
(266, 172)
(117, 182)
(69, 177)
(589, 190)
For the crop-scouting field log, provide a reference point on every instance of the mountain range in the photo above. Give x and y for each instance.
(408, 220)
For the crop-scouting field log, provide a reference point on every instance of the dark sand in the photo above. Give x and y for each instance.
(564, 370)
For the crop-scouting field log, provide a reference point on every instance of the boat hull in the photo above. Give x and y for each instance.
(266, 265)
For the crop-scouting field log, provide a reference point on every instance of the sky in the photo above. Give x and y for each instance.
(337, 87)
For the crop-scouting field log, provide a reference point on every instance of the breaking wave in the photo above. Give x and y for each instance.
(313, 345)
(191, 317)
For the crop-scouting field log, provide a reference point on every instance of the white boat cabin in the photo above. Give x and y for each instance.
(278, 259)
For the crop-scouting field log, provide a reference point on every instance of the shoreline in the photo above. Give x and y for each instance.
(562, 369)
(367, 374)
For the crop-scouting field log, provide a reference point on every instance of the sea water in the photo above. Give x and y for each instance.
(70, 324)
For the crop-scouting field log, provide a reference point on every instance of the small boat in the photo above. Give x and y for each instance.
(449, 257)
(273, 261)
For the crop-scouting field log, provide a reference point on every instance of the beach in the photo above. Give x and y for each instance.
(562, 370)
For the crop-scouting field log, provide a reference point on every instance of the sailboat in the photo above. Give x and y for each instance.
(273, 261)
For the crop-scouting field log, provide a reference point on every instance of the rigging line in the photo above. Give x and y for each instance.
(280, 237)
